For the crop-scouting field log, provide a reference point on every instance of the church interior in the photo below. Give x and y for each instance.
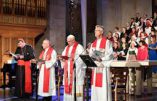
(36, 20)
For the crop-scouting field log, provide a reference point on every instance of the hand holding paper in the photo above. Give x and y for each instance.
(63, 57)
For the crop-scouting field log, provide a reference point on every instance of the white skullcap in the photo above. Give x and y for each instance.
(71, 37)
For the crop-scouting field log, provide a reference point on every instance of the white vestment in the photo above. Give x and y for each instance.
(80, 73)
(102, 93)
(148, 30)
(52, 83)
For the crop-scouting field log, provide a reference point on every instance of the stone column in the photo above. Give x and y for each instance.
(57, 14)
(55, 30)
(128, 10)
(109, 13)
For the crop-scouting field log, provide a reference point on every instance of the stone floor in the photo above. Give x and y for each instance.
(8, 95)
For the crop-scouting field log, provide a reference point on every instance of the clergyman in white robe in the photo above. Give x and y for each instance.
(103, 92)
(80, 72)
(49, 64)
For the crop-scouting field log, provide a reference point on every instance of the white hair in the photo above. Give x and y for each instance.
(100, 28)
(72, 37)
(47, 40)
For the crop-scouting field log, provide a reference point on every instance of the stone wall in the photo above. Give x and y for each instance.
(111, 13)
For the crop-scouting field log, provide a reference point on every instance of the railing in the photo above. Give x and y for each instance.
(23, 20)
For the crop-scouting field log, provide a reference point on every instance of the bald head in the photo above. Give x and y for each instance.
(71, 40)
(46, 44)
(71, 37)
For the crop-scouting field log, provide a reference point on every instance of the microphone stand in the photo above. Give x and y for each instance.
(107, 79)
(74, 66)
(75, 98)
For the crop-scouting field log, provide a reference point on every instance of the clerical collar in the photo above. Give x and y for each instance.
(99, 38)
(46, 49)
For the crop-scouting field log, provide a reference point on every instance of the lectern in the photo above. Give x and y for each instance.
(89, 63)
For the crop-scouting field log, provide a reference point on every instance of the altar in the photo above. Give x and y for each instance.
(137, 65)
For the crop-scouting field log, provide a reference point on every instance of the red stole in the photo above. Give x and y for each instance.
(46, 71)
(102, 43)
(99, 75)
(28, 81)
(67, 84)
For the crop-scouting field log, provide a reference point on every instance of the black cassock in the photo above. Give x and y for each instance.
(20, 90)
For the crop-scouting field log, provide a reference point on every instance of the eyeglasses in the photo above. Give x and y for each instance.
(97, 30)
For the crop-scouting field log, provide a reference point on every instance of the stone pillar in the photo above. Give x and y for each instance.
(109, 13)
(55, 30)
(128, 10)
(99, 12)
(57, 14)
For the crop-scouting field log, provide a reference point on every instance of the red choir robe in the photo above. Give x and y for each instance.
(142, 53)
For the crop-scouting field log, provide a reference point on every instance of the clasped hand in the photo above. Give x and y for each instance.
(98, 59)
(19, 56)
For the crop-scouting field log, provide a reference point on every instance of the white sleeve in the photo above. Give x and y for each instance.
(127, 56)
(52, 61)
(37, 66)
(136, 50)
(80, 65)
(108, 51)
(91, 52)
(63, 54)
(80, 51)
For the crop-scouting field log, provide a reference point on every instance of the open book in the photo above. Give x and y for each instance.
(97, 54)
(12, 54)
(63, 57)
(40, 60)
